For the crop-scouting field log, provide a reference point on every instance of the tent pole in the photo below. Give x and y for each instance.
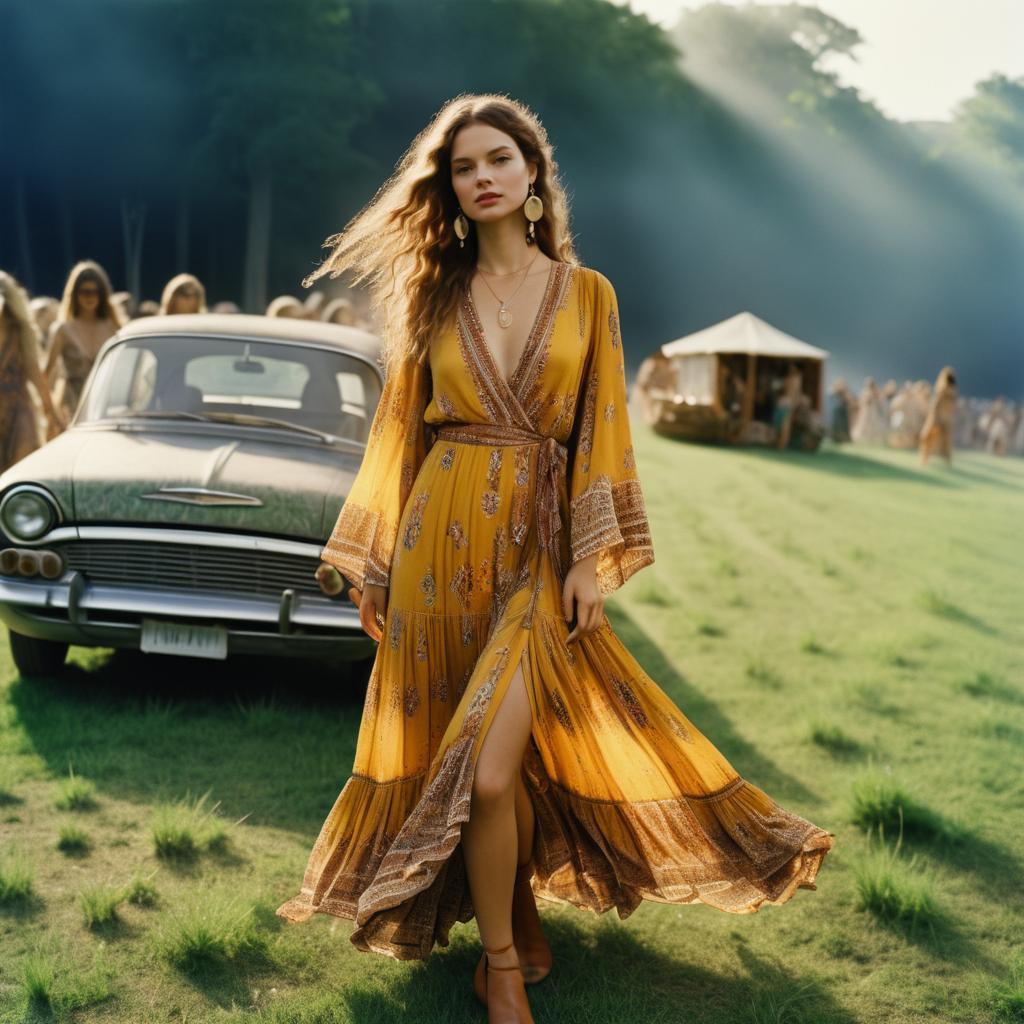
(748, 391)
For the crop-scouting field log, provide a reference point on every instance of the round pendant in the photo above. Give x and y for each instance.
(504, 317)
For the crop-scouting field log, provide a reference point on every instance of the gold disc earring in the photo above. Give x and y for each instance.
(533, 210)
(462, 228)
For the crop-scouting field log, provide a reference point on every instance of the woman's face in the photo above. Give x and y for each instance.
(87, 295)
(486, 161)
(186, 300)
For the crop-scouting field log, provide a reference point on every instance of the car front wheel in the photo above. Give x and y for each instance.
(35, 657)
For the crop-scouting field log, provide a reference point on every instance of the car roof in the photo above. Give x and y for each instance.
(261, 328)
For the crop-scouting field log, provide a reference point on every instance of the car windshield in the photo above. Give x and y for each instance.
(257, 383)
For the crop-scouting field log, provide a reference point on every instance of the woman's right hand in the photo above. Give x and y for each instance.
(373, 602)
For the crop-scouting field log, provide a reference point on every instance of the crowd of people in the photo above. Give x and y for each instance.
(934, 419)
(48, 345)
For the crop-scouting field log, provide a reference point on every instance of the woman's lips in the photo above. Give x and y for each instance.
(492, 198)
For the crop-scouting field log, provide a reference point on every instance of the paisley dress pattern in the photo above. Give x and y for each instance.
(475, 496)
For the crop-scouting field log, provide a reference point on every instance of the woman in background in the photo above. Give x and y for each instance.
(183, 294)
(20, 359)
(86, 320)
(937, 432)
(45, 309)
(871, 425)
(841, 412)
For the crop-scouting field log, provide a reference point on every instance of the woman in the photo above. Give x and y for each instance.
(937, 432)
(841, 412)
(510, 745)
(870, 424)
(183, 294)
(86, 320)
(44, 309)
(19, 364)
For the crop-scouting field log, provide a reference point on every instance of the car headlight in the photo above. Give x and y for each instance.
(26, 514)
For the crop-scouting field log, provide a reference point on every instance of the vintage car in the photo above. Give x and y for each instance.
(184, 509)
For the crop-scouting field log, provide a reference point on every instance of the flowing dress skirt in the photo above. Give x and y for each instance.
(632, 801)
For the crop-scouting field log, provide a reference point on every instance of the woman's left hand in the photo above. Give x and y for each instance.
(582, 590)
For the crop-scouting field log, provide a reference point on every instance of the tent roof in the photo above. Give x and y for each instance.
(743, 333)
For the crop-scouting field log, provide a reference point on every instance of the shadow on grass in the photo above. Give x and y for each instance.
(936, 603)
(987, 475)
(750, 762)
(850, 464)
(602, 975)
(943, 938)
(995, 869)
(227, 982)
(147, 728)
(22, 909)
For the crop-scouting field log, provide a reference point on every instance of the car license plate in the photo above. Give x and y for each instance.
(179, 638)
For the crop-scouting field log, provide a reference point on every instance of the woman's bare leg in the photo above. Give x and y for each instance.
(490, 840)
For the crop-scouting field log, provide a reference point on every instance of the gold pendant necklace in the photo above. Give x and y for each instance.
(504, 313)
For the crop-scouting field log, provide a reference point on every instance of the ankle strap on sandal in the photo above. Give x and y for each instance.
(502, 950)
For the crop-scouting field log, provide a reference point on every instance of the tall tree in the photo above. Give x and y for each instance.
(992, 122)
(280, 104)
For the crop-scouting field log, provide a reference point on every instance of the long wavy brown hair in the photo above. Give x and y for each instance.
(403, 242)
(81, 272)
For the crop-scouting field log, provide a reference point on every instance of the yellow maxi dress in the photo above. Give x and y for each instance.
(474, 496)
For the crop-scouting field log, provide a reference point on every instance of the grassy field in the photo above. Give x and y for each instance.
(846, 627)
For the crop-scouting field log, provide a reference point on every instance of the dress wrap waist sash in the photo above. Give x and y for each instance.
(552, 460)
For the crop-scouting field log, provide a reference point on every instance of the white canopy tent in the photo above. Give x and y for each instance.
(745, 333)
(699, 362)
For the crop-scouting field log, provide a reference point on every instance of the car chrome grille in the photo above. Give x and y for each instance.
(191, 567)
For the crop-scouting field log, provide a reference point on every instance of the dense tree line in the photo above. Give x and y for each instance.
(712, 168)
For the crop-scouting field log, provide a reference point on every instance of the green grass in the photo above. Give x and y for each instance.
(76, 794)
(895, 890)
(213, 933)
(99, 905)
(142, 892)
(761, 673)
(833, 738)
(53, 991)
(985, 685)
(73, 841)
(833, 623)
(1007, 997)
(186, 828)
(879, 803)
(705, 627)
(15, 879)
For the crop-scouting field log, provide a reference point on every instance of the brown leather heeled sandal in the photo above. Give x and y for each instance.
(534, 951)
(501, 990)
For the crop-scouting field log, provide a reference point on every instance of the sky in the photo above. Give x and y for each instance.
(919, 57)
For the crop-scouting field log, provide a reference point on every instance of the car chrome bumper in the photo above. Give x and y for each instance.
(74, 610)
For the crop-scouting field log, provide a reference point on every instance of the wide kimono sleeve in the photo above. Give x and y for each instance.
(607, 511)
(362, 542)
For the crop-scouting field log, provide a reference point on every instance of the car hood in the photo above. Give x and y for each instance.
(260, 484)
